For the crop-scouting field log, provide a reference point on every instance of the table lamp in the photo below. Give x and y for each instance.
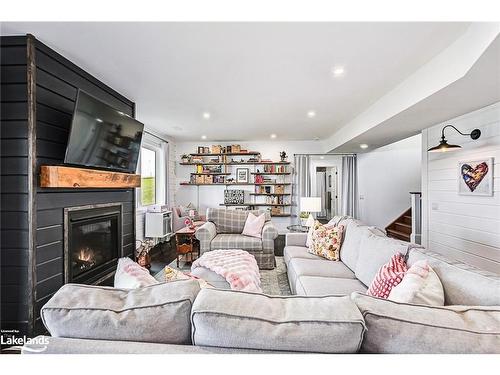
(310, 204)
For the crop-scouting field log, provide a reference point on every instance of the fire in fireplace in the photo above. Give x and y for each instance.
(92, 242)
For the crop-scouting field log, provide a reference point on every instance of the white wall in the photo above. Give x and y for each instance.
(463, 227)
(386, 176)
(212, 196)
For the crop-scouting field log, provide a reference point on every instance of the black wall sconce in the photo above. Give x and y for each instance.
(443, 144)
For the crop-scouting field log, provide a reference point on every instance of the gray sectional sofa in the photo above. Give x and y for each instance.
(329, 312)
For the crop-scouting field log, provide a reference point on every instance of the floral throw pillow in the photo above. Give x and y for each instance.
(326, 241)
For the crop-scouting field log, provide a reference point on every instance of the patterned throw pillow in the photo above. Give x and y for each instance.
(326, 241)
(388, 276)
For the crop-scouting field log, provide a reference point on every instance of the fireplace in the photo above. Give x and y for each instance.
(93, 242)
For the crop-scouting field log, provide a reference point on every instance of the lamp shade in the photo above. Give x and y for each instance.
(310, 204)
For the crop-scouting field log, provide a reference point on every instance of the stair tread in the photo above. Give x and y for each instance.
(402, 224)
(397, 232)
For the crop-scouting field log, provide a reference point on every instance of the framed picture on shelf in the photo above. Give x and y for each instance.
(200, 150)
(475, 177)
(242, 175)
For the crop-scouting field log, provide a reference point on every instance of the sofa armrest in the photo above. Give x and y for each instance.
(296, 239)
(269, 233)
(205, 234)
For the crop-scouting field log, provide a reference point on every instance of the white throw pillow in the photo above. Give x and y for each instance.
(420, 285)
(130, 275)
(253, 225)
(309, 240)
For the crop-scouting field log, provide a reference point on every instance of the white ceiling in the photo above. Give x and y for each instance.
(478, 88)
(254, 78)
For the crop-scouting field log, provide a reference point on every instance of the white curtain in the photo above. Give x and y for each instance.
(302, 183)
(321, 192)
(349, 186)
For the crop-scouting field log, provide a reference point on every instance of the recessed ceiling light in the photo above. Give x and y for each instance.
(338, 71)
(206, 115)
(273, 136)
(203, 137)
(311, 114)
(363, 146)
(99, 120)
(321, 157)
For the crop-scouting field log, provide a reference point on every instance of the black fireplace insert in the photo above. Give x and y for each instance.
(92, 242)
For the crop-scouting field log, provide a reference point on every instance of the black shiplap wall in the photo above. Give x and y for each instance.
(57, 81)
(14, 262)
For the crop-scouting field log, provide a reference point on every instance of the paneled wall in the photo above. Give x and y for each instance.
(464, 227)
(15, 257)
(32, 231)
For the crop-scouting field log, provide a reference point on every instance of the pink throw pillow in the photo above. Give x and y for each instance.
(388, 276)
(253, 225)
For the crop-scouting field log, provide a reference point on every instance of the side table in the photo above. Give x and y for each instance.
(186, 243)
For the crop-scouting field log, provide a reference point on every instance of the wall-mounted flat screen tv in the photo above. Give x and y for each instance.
(102, 136)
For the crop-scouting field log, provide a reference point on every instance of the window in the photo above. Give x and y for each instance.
(148, 176)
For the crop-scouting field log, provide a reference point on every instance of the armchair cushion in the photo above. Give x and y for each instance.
(236, 241)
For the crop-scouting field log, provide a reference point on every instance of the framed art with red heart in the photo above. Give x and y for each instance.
(475, 177)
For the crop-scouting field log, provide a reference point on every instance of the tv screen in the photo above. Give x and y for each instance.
(103, 137)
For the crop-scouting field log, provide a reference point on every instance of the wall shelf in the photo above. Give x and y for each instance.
(78, 178)
(260, 178)
(270, 194)
(256, 204)
(233, 183)
(271, 173)
(238, 163)
(250, 153)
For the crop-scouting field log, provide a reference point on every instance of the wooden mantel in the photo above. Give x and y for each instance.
(78, 178)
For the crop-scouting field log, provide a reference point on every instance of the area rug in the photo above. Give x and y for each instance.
(273, 282)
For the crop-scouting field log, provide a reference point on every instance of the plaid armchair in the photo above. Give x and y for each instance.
(223, 231)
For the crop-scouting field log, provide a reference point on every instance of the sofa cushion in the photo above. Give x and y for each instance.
(394, 327)
(231, 221)
(319, 267)
(353, 233)
(375, 251)
(322, 286)
(158, 313)
(236, 241)
(225, 318)
(462, 283)
(291, 252)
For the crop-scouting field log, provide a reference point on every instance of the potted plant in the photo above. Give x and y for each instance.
(303, 218)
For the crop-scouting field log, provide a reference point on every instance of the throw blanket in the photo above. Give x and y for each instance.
(238, 267)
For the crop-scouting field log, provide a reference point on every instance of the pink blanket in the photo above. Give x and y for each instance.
(238, 267)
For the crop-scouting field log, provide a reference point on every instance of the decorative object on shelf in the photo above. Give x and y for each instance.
(188, 222)
(283, 156)
(279, 189)
(185, 158)
(476, 177)
(142, 253)
(242, 175)
(307, 206)
(216, 149)
(443, 143)
(234, 196)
